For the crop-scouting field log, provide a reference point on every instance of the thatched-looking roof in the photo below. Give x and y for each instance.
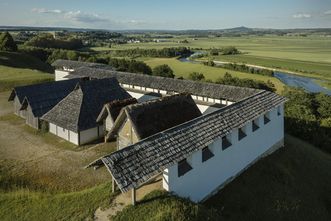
(43, 97)
(136, 164)
(216, 91)
(72, 65)
(157, 115)
(80, 109)
(113, 108)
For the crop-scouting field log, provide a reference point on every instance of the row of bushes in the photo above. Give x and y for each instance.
(246, 69)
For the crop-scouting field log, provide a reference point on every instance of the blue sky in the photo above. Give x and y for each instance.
(167, 14)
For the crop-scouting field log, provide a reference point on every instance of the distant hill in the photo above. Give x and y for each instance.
(292, 184)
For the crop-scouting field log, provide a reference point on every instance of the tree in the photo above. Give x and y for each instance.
(195, 76)
(324, 105)
(7, 42)
(163, 71)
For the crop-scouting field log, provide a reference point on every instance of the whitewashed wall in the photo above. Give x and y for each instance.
(64, 133)
(59, 75)
(208, 176)
(90, 135)
(205, 109)
(142, 97)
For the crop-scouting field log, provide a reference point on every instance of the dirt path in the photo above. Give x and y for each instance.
(124, 199)
(5, 106)
(28, 157)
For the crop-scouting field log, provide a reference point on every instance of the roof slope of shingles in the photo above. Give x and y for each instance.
(114, 108)
(136, 164)
(60, 64)
(43, 97)
(151, 117)
(80, 109)
(216, 91)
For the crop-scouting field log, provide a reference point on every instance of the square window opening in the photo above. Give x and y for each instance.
(206, 154)
(183, 167)
(225, 143)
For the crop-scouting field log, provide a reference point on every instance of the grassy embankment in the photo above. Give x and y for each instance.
(292, 184)
(19, 69)
(42, 178)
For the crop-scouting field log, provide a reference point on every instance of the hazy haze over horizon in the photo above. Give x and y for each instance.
(171, 14)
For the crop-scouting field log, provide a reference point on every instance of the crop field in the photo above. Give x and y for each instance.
(183, 69)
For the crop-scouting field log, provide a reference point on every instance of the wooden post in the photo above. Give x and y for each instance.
(113, 185)
(133, 196)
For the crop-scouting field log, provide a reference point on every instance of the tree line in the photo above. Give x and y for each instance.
(308, 116)
(164, 52)
(48, 41)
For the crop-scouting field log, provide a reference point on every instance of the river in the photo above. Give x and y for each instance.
(292, 80)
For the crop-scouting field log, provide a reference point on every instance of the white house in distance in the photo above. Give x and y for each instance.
(198, 157)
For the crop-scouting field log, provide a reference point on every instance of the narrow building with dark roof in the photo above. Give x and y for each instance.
(33, 101)
(74, 117)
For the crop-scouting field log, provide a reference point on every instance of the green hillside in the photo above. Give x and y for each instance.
(20, 69)
(292, 184)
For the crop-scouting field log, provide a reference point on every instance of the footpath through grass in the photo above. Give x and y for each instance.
(292, 184)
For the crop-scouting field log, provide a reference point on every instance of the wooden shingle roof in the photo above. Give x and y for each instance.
(80, 109)
(68, 64)
(44, 96)
(151, 117)
(114, 108)
(136, 164)
(211, 90)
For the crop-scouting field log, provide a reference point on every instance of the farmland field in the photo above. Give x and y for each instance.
(182, 69)
(307, 56)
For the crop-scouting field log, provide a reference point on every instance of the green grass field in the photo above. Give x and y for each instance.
(184, 69)
(292, 184)
(309, 56)
(18, 69)
(306, 68)
(25, 204)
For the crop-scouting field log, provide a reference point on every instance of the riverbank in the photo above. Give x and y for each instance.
(290, 78)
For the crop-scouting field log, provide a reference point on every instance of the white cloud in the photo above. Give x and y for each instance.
(76, 16)
(84, 17)
(302, 15)
(47, 11)
(327, 12)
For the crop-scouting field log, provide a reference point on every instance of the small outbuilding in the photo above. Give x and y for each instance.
(74, 118)
(138, 121)
(111, 110)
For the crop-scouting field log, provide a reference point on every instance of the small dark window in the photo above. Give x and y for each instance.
(278, 111)
(225, 143)
(241, 134)
(266, 119)
(183, 167)
(255, 126)
(206, 154)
